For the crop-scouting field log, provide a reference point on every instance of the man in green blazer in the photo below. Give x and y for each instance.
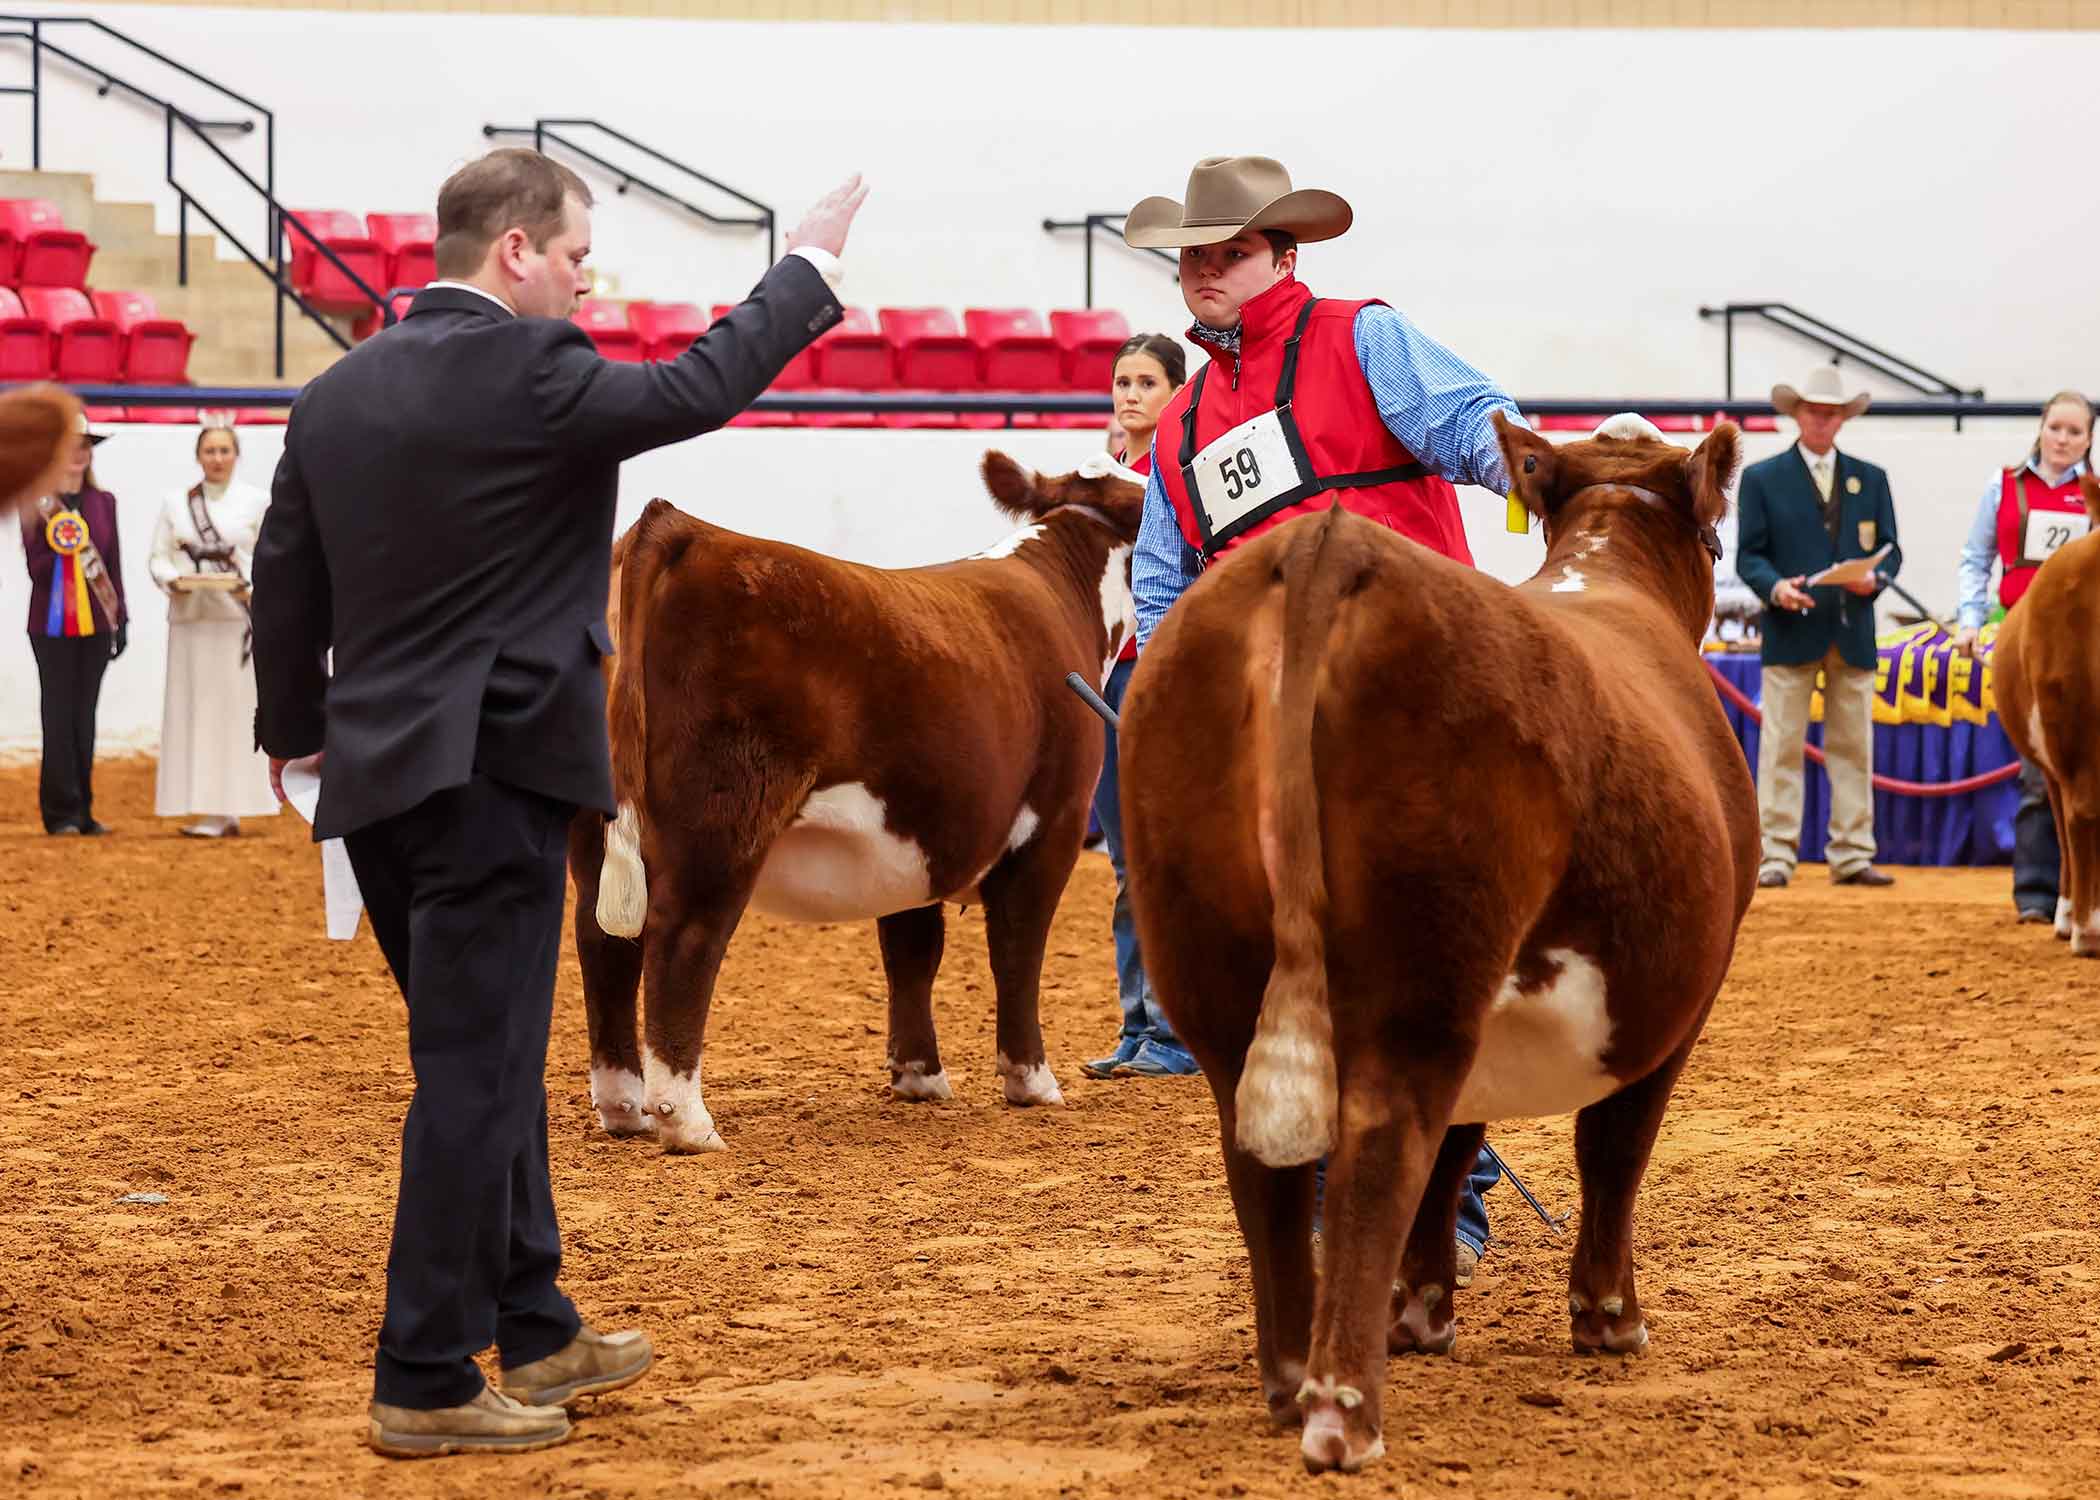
(1799, 512)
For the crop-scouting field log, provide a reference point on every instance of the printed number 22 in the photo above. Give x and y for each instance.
(1240, 473)
(2052, 538)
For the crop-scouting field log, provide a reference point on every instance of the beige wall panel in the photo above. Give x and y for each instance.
(2052, 15)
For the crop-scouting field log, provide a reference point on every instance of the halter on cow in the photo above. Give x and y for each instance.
(1413, 852)
(829, 743)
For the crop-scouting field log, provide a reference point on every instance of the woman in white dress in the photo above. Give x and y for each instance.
(210, 768)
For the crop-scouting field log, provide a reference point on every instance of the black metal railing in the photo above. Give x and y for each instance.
(560, 132)
(179, 123)
(1837, 342)
(1110, 225)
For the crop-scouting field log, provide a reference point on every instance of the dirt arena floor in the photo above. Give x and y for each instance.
(1867, 1243)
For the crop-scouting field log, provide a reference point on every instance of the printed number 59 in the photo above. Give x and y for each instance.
(1240, 473)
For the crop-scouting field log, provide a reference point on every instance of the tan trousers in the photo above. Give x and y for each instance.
(1848, 742)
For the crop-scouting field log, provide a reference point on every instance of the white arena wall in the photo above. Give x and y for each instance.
(886, 498)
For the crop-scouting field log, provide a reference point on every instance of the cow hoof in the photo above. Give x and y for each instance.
(620, 1101)
(1281, 1393)
(1033, 1083)
(1599, 1332)
(2063, 916)
(1338, 1432)
(1425, 1324)
(687, 1137)
(913, 1082)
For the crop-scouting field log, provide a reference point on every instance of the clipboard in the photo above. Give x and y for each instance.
(1852, 570)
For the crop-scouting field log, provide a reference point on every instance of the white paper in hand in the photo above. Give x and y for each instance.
(344, 902)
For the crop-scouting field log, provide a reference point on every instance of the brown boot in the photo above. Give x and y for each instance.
(592, 1364)
(490, 1423)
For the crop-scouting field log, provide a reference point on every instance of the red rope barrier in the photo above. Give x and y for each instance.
(1962, 788)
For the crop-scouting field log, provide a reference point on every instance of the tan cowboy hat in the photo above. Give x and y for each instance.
(1228, 194)
(1826, 386)
(95, 439)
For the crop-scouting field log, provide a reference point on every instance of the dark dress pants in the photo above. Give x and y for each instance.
(465, 895)
(2037, 861)
(69, 669)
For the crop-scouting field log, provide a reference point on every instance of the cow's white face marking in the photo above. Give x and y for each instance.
(1570, 580)
(1118, 607)
(682, 1120)
(1628, 424)
(2034, 736)
(1008, 546)
(1032, 1084)
(838, 863)
(1541, 1051)
(1025, 824)
(621, 1101)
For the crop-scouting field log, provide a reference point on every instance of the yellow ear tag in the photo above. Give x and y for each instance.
(1519, 519)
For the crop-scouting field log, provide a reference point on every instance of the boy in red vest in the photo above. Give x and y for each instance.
(1306, 402)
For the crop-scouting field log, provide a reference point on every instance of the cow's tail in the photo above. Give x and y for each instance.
(1287, 1097)
(623, 883)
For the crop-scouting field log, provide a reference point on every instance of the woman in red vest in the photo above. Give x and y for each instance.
(2026, 513)
(1148, 370)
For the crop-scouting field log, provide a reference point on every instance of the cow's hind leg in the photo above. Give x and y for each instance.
(1423, 1318)
(1020, 898)
(1613, 1138)
(1275, 1208)
(912, 942)
(2065, 857)
(695, 902)
(612, 972)
(2081, 879)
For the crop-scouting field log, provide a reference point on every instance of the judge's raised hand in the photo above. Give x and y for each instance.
(1789, 595)
(824, 226)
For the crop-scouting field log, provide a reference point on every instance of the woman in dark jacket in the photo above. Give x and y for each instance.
(77, 627)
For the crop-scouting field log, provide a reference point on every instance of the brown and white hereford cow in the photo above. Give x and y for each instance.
(2046, 675)
(830, 743)
(1413, 851)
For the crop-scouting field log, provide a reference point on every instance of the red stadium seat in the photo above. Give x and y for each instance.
(1016, 353)
(104, 413)
(667, 328)
(90, 347)
(317, 279)
(42, 251)
(606, 323)
(856, 356)
(932, 354)
(261, 416)
(408, 241)
(1089, 337)
(165, 416)
(27, 345)
(156, 349)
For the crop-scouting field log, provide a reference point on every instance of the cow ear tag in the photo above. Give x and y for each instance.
(1518, 519)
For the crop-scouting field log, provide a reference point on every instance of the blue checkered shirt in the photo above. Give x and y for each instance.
(1436, 404)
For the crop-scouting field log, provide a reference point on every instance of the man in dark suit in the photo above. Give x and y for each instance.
(1800, 512)
(442, 521)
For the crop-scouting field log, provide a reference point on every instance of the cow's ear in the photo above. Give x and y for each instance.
(1710, 470)
(1533, 465)
(2090, 488)
(1012, 485)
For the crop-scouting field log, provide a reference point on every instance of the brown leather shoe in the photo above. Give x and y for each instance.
(1864, 875)
(1466, 1263)
(490, 1423)
(592, 1364)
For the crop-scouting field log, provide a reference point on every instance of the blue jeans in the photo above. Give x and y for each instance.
(1472, 1212)
(1142, 1017)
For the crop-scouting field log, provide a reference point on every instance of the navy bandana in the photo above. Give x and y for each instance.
(1222, 340)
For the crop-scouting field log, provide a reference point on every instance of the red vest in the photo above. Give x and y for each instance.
(1331, 418)
(2022, 492)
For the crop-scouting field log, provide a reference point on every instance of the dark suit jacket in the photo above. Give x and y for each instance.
(99, 509)
(442, 519)
(1781, 533)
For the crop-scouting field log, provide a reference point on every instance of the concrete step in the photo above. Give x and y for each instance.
(72, 192)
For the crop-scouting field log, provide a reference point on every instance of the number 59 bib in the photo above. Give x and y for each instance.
(1243, 470)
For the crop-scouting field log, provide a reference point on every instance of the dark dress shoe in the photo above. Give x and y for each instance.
(64, 831)
(1866, 875)
(94, 829)
(2037, 916)
(1772, 880)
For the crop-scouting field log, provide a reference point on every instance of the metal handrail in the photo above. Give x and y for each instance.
(1842, 345)
(548, 129)
(1108, 224)
(111, 81)
(1018, 402)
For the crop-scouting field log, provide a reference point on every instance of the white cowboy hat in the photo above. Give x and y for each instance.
(1826, 385)
(80, 425)
(1230, 194)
